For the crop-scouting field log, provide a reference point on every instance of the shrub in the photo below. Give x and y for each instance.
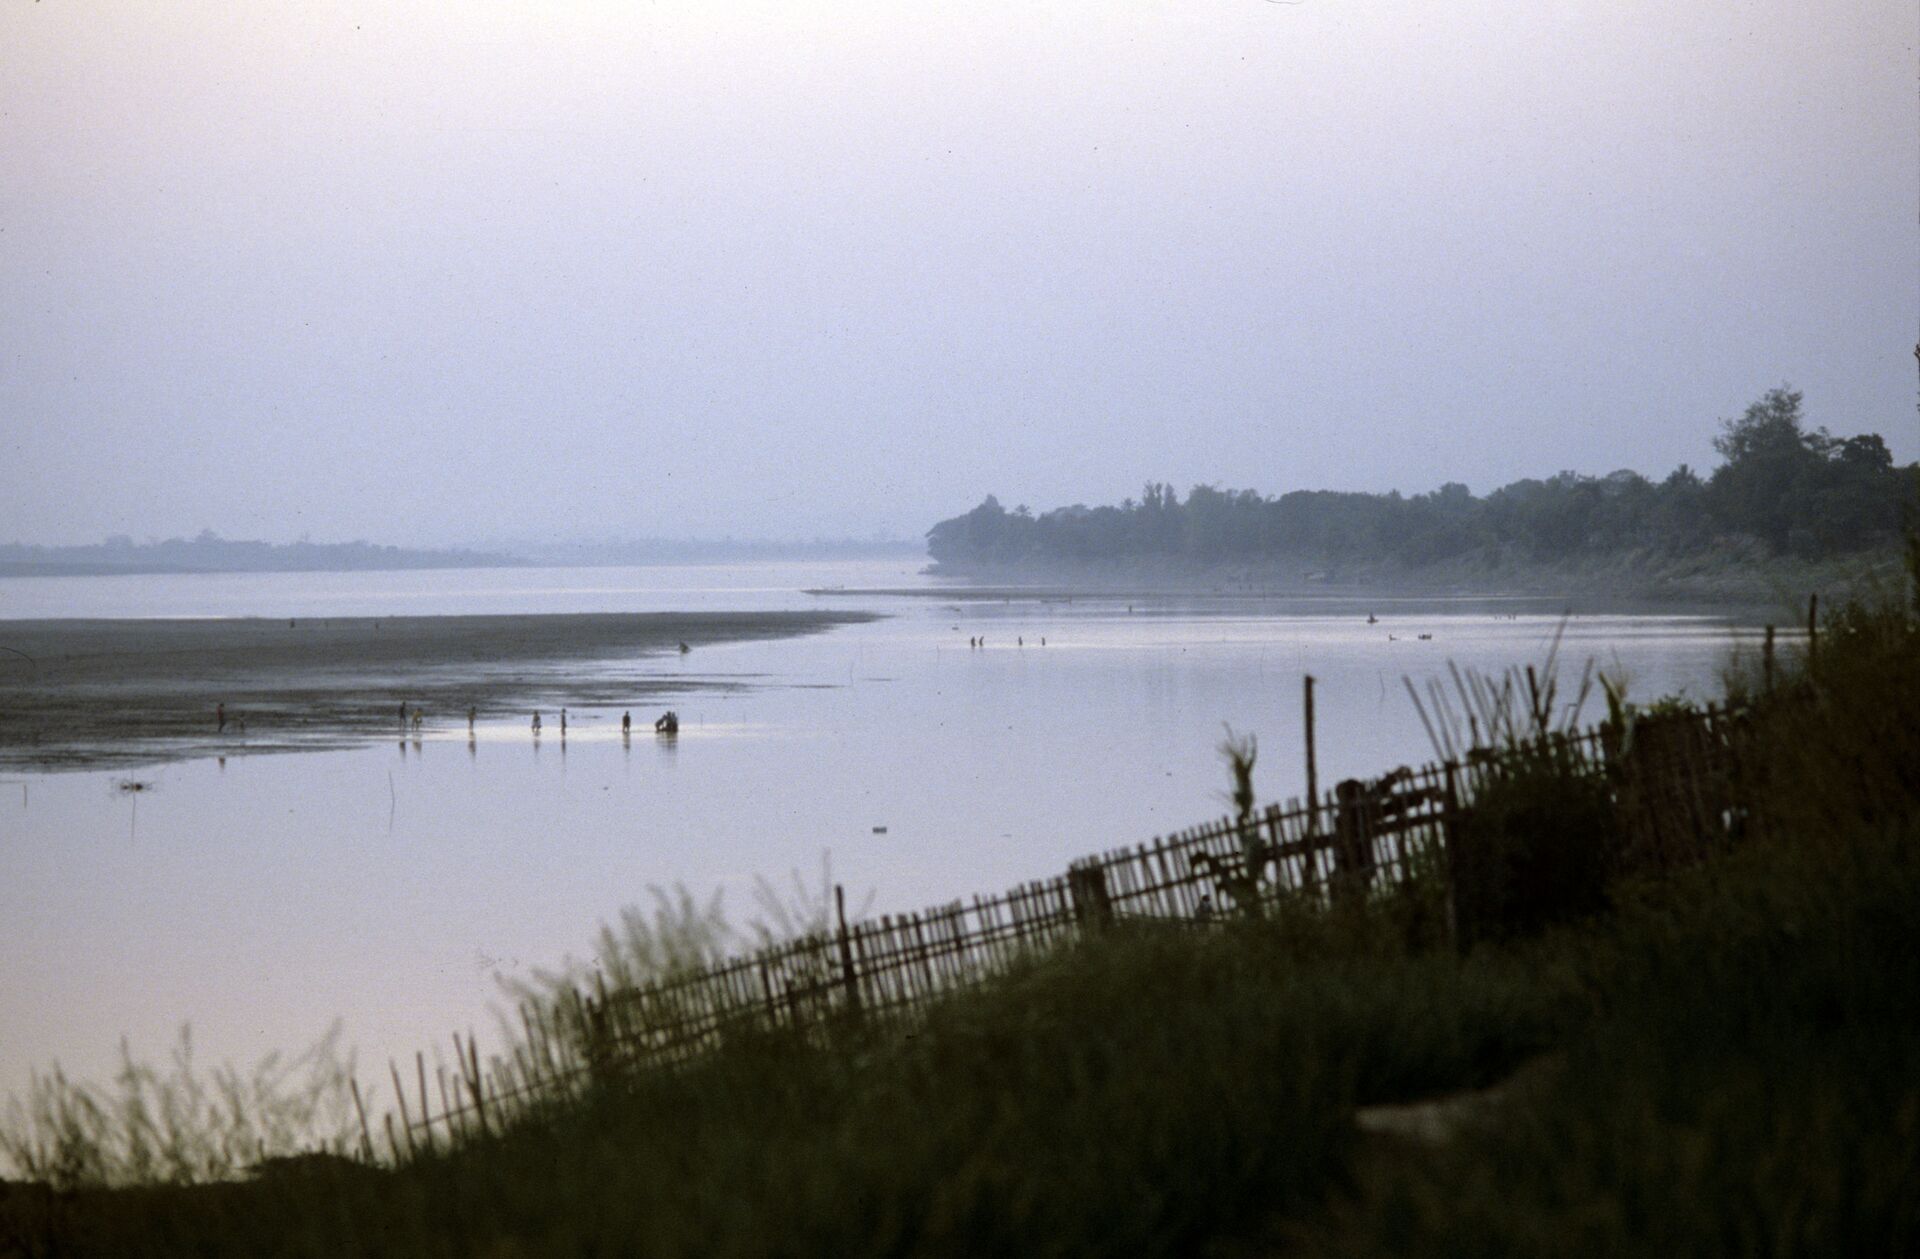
(1534, 850)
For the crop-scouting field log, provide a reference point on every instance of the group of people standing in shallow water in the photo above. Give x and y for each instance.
(414, 718)
(981, 641)
(667, 723)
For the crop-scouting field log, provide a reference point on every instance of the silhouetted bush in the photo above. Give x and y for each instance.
(1534, 850)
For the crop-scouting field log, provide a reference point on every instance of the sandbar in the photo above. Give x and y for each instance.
(88, 694)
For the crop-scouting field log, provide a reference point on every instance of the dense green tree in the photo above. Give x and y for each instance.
(1768, 463)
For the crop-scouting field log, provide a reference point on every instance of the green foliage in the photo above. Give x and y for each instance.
(1803, 491)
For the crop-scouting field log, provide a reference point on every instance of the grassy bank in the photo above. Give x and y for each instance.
(1721, 1062)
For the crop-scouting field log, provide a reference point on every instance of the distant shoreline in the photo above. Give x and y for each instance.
(1637, 578)
(90, 694)
(352, 558)
(16, 568)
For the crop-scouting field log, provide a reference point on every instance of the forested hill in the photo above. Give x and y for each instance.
(210, 553)
(1781, 490)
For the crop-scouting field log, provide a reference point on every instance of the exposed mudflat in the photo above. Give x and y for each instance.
(93, 693)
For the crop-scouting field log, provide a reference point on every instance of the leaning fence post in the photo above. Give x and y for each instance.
(366, 1138)
(406, 1125)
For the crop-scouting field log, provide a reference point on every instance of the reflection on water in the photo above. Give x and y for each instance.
(390, 884)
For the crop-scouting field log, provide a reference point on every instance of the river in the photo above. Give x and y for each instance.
(393, 886)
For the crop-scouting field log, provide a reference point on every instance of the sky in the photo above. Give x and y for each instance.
(430, 272)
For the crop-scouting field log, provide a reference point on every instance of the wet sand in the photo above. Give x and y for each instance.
(86, 694)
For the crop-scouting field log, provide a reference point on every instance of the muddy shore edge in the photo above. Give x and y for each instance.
(91, 694)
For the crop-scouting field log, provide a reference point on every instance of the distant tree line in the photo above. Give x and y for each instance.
(211, 553)
(1797, 492)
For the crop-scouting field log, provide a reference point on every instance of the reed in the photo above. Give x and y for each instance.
(178, 1123)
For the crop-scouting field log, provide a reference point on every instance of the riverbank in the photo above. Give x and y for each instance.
(80, 694)
(1736, 576)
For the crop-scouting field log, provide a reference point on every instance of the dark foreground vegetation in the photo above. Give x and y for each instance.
(1781, 490)
(1719, 1061)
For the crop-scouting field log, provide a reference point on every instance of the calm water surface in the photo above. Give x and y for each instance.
(391, 886)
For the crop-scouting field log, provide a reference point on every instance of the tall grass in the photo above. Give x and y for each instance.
(1127, 1098)
(1743, 1081)
(680, 935)
(1484, 713)
(177, 1124)
(1743, 1085)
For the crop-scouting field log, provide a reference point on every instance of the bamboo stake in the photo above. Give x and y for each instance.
(474, 1083)
(1813, 630)
(446, 1103)
(400, 1095)
(1313, 771)
(426, 1112)
(846, 949)
(366, 1138)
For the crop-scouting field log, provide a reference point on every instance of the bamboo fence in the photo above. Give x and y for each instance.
(1674, 781)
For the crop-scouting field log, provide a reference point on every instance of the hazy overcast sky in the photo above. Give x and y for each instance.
(439, 271)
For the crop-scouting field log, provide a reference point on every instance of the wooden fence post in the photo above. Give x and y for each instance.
(1353, 839)
(846, 950)
(1450, 831)
(1092, 905)
(766, 990)
(1813, 630)
(1313, 773)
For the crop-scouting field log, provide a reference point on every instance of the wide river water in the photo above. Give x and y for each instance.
(391, 886)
